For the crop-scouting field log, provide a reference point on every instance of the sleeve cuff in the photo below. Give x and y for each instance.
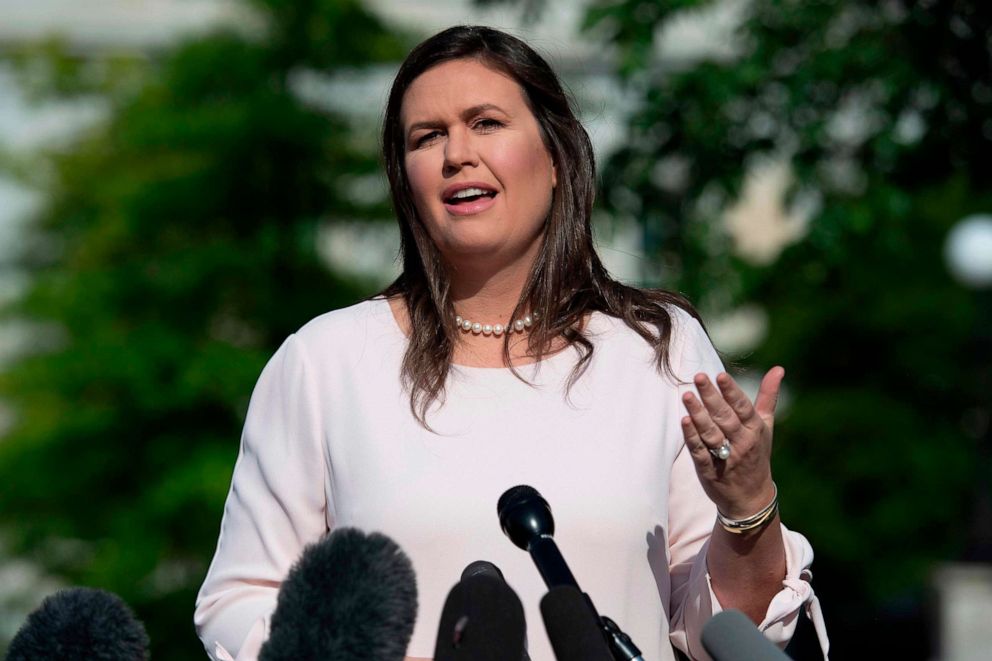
(251, 646)
(782, 615)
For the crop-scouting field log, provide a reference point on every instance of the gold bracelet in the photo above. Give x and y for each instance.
(738, 526)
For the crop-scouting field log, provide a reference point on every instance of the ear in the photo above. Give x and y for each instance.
(554, 176)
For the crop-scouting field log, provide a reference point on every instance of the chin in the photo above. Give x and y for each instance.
(470, 250)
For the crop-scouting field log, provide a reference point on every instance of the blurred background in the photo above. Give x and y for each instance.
(185, 182)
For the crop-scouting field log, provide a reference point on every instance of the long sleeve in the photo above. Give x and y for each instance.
(691, 519)
(276, 506)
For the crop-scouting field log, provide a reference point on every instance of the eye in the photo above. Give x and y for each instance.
(487, 124)
(426, 139)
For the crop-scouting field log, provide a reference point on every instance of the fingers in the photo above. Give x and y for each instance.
(692, 439)
(738, 401)
(721, 413)
(725, 411)
(767, 397)
(702, 423)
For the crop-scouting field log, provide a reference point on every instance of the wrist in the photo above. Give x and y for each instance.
(756, 520)
(753, 503)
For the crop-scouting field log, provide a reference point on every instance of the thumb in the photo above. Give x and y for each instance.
(767, 398)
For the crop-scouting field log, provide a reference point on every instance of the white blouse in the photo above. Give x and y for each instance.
(329, 440)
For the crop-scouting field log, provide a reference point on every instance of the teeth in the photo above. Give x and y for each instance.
(468, 192)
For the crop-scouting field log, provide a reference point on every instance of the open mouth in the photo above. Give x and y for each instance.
(469, 195)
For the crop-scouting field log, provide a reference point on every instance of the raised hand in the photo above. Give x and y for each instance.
(741, 484)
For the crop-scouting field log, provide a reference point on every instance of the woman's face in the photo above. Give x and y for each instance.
(481, 176)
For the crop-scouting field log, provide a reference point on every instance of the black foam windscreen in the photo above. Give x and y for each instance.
(349, 597)
(80, 623)
(482, 620)
(731, 636)
(572, 626)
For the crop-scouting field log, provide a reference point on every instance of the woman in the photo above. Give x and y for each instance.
(504, 354)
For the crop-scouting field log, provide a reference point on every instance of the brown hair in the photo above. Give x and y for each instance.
(567, 280)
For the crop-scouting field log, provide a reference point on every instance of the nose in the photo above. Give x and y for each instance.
(459, 151)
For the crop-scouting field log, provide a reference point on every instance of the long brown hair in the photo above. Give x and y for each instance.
(567, 280)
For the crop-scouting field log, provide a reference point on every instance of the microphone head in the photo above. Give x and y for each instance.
(80, 623)
(349, 596)
(482, 568)
(524, 515)
(482, 620)
(730, 635)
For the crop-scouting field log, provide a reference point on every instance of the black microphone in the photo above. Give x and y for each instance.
(482, 619)
(486, 568)
(483, 568)
(80, 623)
(573, 627)
(731, 636)
(525, 518)
(350, 596)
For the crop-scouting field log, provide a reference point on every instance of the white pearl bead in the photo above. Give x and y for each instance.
(458, 320)
(498, 329)
(466, 324)
(487, 329)
(477, 328)
(518, 325)
(528, 321)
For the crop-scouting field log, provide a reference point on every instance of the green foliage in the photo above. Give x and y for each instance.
(175, 249)
(883, 110)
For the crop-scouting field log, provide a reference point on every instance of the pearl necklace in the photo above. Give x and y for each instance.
(495, 330)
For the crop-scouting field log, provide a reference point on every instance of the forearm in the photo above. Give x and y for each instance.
(746, 570)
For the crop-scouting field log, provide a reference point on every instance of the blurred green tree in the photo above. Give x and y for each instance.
(876, 118)
(174, 250)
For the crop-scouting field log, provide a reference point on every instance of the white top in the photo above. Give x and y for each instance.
(330, 441)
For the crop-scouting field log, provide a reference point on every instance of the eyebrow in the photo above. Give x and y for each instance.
(465, 114)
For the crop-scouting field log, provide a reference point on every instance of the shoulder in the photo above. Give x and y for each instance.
(691, 349)
(344, 324)
(688, 343)
(345, 336)
(685, 328)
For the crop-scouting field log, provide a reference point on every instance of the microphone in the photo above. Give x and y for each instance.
(80, 623)
(573, 627)
(730, 636)
(526, 519)
(482, 619)
(350, 596)
(482, 568)
(486, 568)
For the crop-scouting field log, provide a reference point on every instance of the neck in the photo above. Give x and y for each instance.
(489, 296)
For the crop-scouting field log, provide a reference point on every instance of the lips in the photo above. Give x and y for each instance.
(467, 198)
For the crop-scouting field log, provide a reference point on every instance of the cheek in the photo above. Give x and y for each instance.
(423, 187)
(540, 176)
(420, 182)
(530, 167)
